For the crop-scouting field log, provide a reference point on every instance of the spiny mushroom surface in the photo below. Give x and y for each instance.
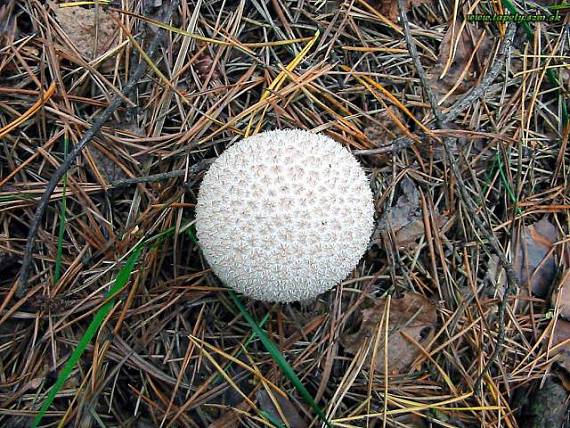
(284, 215)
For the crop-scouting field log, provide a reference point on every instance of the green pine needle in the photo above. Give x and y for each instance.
(506, 183)
(279, 358)
(121, 280)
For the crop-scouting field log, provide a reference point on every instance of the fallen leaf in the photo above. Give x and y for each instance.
(561, 333)
(458, 45)
(294, 419)
(405, 218)
(413, 315)
(84, 27)
(533, 260)
(389, 8)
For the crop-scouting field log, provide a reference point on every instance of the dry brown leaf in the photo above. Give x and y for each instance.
(106, 161)
(464, 48)
(405, 218)
(413, 315)
(389, 8)
(533, 259)
(294, 419)
(84, 27)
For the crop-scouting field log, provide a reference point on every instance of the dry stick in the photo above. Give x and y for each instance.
(68, 162)
(512, 281)
(398, 144)
(118, 184)
(477, 92)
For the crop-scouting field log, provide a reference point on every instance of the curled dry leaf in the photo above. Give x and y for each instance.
(413, 315)
(534, 261)
(405, 218)
(460, 45)
(93, 32)
(389, 8)
(289, 411)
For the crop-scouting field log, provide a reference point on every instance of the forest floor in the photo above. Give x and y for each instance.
(111, 112)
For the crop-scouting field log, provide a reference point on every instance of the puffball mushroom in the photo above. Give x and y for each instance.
(284, 215)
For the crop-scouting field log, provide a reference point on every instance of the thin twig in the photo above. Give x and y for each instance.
(512, 281)
(118, 184)
(395, 146)
(98, 122)
(479, 91)
(193, 170)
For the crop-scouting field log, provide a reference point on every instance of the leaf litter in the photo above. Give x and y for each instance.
(463, 54)
(389, 8)
(92, 31)
(154, 316)
(534, 261)
(412, 315)
(405, 217)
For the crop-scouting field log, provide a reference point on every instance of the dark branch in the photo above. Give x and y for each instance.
(98, 122)
(471, 206)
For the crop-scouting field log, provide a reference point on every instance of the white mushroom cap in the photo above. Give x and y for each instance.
(284, 215)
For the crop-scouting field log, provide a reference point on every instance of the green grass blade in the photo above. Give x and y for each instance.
(279, 358)
(507, 184)
(121, 280)
(62, 220)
